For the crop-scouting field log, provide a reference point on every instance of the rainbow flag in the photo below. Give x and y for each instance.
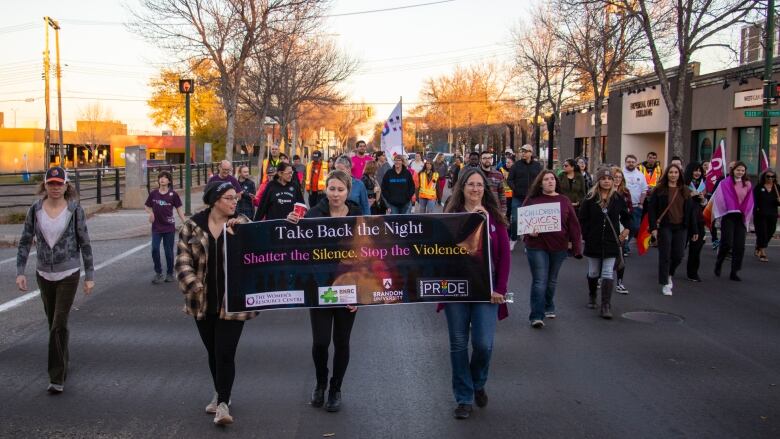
(643, 235)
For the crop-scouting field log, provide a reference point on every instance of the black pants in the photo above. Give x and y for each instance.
(765, 228)
(732, 239)
(57, 300)
(325, 321)
(221, 340)
(671, 246)
(694, 256)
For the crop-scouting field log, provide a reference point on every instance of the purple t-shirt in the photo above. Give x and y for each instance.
(230, 179)
(162, 206)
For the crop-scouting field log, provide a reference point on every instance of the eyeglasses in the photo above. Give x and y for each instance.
(771, 177)
(231, 199)
(475, 185)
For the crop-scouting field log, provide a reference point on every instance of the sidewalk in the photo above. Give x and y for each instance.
(120, 224)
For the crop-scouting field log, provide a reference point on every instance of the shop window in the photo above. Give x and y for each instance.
(705, 142)
(747, 150)
(773, 146)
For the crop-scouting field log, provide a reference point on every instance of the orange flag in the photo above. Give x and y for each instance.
(643, 236)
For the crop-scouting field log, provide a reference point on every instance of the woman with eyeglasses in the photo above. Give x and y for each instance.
(280, 195)
(766, 196)
(59, 226)
(201, 274)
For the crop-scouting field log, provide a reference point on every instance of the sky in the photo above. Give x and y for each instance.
(104, 62)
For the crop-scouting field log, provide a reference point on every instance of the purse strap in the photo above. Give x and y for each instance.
(614, 232)
(668, 206)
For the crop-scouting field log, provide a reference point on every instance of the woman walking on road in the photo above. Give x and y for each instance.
(426, 193)
(733, 203)
(160, 205)
(619, 181)
(767, 199)
(201, 274)
(337, 321)
(478, 320)
(279, 196)
(601, 214)
(672, 222)
(547, 251)
(572, 183)
(59, 226)
(695, 179)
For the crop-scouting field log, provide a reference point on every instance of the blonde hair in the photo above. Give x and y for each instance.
(595, 191)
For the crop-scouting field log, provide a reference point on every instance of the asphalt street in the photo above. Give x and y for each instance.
(138, 368)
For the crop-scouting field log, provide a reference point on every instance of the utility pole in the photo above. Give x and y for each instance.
(46, 67)
(56, 26)
(768, 82)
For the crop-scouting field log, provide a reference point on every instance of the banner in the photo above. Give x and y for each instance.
(763, 162)
(717, 162)
(392, 134)
(539, 218)
(366, 260)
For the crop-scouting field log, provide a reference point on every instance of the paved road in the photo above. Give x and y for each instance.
(138, 368)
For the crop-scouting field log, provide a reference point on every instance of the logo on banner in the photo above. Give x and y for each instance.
(334, 295)
(295, 297)
(388, 295)
(387, 283)
(444, 288)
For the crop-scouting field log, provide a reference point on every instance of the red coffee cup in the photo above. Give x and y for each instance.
(300, 209)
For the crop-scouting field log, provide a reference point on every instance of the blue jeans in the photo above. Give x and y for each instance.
(479, 319)
(393, 209)
(516, 204)
(544, 267)
(636, 221)
(167, 240)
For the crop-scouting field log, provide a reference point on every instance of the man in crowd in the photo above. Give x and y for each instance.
(273, 160)
(521, 176)
(225, 174)
(382, 165)
(360, 159)
(473, 159)
(316, 175)
(651, 169)
(637, 186)
(495, 178)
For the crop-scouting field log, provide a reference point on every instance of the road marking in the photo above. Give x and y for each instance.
(14, 258)
(32, 294)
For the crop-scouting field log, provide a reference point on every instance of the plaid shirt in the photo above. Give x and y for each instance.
(496, 182)
(191, 266)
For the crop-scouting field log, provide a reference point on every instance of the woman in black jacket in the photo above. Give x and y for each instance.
(601, 214)
(280, 195)
(766, 196)
(337, 320)
(672, 220)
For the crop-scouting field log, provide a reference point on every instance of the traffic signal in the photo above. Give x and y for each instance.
(186, 86)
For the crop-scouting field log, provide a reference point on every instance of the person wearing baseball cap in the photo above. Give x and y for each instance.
(59, 226)
(520, 178)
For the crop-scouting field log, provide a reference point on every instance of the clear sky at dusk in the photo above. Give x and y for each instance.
(103, 61)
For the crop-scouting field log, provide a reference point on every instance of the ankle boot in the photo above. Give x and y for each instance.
(593, 284)
(607, 285)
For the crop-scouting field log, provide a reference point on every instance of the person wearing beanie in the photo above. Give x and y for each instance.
(601, 214)
(201, 274)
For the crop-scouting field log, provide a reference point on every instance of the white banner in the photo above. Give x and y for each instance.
(393, 134)
(539, 218)
(750, 98)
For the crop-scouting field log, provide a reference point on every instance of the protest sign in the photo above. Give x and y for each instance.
(539, 218)
(367, 260)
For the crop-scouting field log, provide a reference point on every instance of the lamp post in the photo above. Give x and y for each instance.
(187, 86)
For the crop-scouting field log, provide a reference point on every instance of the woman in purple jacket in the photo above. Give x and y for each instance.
(546, 251)
(469, 375)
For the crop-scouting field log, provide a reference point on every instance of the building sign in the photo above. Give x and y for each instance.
(644, 108)
(750, 98)
(645, 112)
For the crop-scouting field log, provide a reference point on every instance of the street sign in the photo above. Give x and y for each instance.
(760, 113)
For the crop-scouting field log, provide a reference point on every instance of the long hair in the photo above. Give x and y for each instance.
(621, 189)
(663, 183)
(595, 193)
(69, 194)
(536, 187)
(457, 201)
(690, 169)
(371, 168)
(744, 178)
(573, 164)
(762, 177)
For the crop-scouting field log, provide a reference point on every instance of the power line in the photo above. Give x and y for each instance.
(373, 11)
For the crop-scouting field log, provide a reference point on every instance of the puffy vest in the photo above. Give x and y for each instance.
(275, 163)
(428, 188)
(321, 181)
(507, 189)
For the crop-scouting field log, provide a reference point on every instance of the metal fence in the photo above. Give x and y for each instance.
(201, 172)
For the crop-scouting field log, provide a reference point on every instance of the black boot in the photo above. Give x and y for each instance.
(318, 396)
(334, 401)
(593, 284)
(607, 285)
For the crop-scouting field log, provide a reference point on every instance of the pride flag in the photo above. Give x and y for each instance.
(716, 171)
(643, 236)
(725, 201)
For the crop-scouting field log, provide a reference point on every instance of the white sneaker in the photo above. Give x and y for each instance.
(621, 289)
(223, 415)
(512, 245)
(55, 388)
(212, 407)
(666, 290)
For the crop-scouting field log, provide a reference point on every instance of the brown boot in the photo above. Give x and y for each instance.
(593, 285)
(607, 286)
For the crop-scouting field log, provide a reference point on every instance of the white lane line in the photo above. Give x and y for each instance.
(14, 258)
(32, 294)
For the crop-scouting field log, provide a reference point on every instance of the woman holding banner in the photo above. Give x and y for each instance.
(469, 375)
(547, 251)
(339, 321)
(733, 202)
(201, 274)
(601, 214)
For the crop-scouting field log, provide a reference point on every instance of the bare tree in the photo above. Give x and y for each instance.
(94, 127)
(602, 44)
(222, 31)
(687, 26)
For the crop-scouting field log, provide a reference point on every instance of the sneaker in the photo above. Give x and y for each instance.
(462, 411)
(715, 244)
(621, 289)
(694, 278)
(626, 253)
(480, 397)
(158, 279)
(212, 407)
(55, 388)
(537, 324)
(223, 415)
(512, 245)
(671, 282)
(549, 315)
(666, 290)
(169, 278)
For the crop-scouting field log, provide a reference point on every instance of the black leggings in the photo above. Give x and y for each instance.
(765, 228)
(339, 321)
(671, 246)
(221, 340)
(732, 239)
